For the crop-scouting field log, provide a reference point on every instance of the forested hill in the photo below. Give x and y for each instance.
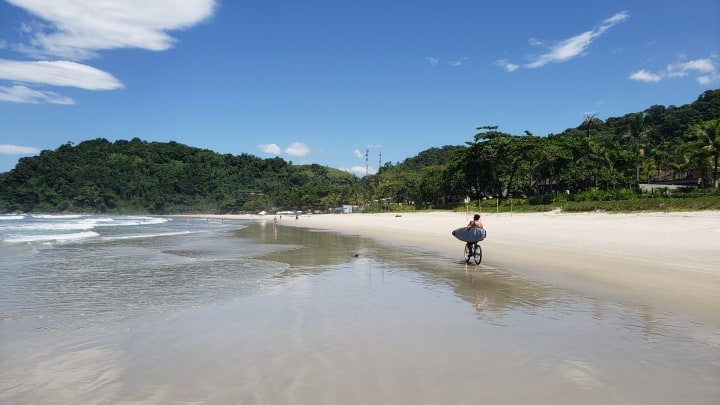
(136, 176)
(595, 160)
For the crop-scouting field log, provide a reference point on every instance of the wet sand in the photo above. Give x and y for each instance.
(667, 260)
(586, 308)
(357, 322)
(368, 312)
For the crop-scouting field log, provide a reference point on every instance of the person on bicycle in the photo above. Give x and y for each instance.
(475, 223)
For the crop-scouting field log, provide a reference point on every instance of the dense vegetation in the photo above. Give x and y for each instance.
(594, 165)
(598, 160)
(138, 176)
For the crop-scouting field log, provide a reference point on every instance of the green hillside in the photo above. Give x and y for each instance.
(595, 161)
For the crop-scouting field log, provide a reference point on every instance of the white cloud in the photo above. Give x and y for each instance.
(358, 154)
(615, 19)
(569, 48)
(704, 80)
(704, 70)
(77, 30)
(298, 149)
(17, 150)
(576, 46)
(359, 170)
(269, 148)
(458, 62)
(685, 68)
(434, 61)
(507, 65)
(645, 76)
(22, 94)
(564, 50)
(58, 73)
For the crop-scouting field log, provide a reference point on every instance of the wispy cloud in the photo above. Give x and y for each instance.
(458, 62)
(298, 149)
(703, 70)
(58, 73)
(269, 148)
(18, 150)
(433, 61)
(566, 49)
(22, 94)
(507, 65)
(68, 32)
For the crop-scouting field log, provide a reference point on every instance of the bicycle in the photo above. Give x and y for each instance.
(473, 251)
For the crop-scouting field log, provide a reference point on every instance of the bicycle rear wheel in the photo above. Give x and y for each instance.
(478, 253)
(468, 253)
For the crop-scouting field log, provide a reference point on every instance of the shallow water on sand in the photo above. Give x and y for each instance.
(319, 318)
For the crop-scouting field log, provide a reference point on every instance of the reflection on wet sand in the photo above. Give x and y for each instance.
(550, 335)
(491, 292)
(342, 319)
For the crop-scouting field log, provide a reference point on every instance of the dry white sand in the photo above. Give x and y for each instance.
(667, 260)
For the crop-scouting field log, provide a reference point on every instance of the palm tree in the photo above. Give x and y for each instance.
(593, 152)
(637, 134)
(589, 121)
(705, 140)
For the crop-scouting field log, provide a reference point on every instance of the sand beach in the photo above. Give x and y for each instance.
(670, 260)
(365, 308)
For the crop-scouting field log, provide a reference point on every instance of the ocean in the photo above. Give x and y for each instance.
(79, 272)
(100, 309)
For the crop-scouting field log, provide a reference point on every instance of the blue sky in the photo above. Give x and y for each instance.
(325, 81)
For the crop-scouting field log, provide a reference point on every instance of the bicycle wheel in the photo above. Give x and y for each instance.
(468, 253)
(478, 253)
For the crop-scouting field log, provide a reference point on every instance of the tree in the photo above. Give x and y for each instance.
(637, 136)
(590, 121)
(704, 140)
(597, 155)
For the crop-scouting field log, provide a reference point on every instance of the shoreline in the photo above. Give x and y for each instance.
(668, 260)
(366, 308)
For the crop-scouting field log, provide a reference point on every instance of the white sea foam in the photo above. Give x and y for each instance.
(132, 221)
(50, 237)
(11, 217)
(83, 224)
(58, 228)
(52, 216)
(154, 235)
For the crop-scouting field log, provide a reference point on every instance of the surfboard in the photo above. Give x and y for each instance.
(472, 235)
